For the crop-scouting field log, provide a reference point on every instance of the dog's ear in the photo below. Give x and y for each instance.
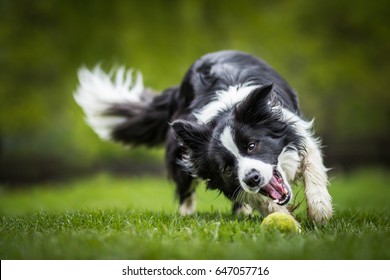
(191, 135)
(256, 106)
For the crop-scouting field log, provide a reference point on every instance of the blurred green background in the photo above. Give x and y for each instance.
(334, 53)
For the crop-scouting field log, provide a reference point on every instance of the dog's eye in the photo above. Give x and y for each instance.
(228, 170)
(251, 146)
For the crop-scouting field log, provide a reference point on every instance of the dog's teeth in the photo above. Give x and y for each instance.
(276, 200)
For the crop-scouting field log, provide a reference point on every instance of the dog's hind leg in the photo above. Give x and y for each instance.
(185, 185)
(185, 189)
(187, 203)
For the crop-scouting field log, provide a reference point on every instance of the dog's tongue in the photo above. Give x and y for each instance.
(275, 188)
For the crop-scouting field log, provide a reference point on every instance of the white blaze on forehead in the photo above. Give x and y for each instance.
(245, 164)
(228, 142)
(225, 99)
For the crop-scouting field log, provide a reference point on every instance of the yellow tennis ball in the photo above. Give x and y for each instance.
(281, 222)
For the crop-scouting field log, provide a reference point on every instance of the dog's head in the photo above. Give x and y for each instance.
(243, 149)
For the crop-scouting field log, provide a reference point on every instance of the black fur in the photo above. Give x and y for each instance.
(146, 123)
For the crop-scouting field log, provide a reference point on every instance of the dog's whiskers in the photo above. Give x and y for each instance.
(237, 193)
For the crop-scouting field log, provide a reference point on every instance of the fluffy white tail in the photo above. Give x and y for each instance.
(98, 92)
(122, 110)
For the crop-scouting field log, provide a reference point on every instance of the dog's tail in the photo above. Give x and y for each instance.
(122, 110)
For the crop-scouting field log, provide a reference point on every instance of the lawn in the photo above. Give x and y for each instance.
(106, 217)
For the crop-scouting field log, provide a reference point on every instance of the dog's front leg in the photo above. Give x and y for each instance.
(316, 181)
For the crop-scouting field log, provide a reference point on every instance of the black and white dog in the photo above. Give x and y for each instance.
(233, 122)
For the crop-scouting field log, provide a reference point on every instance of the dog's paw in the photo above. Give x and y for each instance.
(320, 211)
(188, 206)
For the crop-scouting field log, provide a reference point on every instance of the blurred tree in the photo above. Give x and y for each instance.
(335, 53)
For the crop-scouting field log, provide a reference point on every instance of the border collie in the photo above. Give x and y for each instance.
(233, 122)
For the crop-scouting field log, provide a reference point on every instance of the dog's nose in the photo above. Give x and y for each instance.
(253, 178)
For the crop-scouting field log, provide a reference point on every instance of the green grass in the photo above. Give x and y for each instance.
(105, 217)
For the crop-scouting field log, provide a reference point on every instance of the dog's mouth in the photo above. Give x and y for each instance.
(277, 189)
